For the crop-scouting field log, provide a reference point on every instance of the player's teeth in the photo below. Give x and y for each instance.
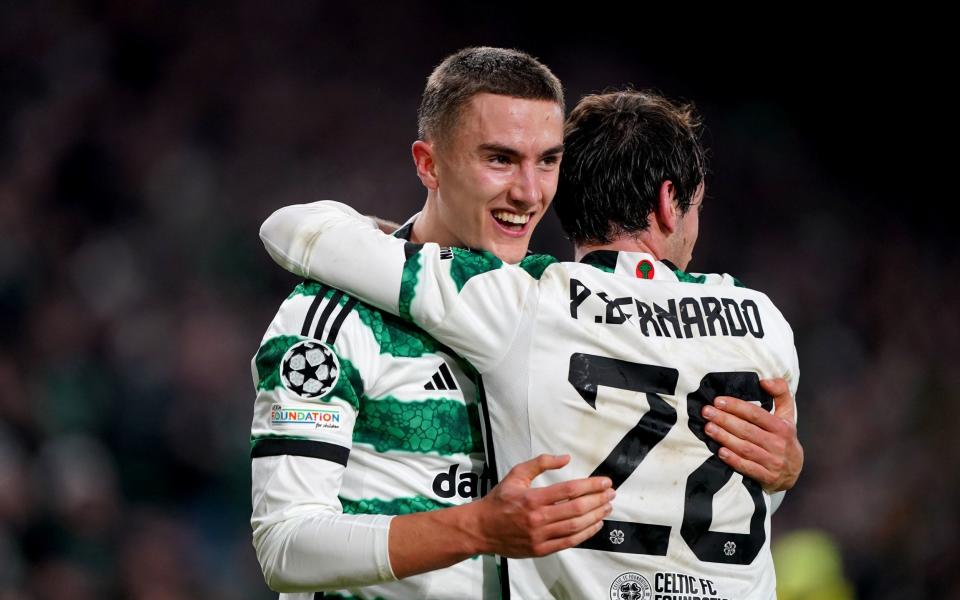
(510, 217)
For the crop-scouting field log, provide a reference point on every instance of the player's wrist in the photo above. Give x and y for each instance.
(468, 524)
(425, 541)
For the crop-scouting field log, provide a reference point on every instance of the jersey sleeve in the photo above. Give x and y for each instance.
(789, 365)
(787, 354)
(470, 301)
(309, 373)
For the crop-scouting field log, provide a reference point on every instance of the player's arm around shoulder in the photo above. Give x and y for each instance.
(309, 374)
(469, 300)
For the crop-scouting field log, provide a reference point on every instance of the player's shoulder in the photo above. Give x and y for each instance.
(319, 322)
(730, 285)
(466, 263)
(721, 280)
(536, 264)
(775, 324)
(319, 311)
(709, 279)
(671, 271)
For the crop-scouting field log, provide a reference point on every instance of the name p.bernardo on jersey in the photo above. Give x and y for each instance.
(685, 317)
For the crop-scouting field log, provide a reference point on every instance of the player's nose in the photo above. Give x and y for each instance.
(526, 188)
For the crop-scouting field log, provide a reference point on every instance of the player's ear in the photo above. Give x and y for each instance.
(668, 215)
(423, 158)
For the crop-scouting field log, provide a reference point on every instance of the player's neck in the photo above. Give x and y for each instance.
(622, 244)
(428, 227)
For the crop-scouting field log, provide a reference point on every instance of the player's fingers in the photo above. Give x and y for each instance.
(568, 490)
(529, 470)
(783, 403)
(748, 411)
(780, 455)
(555, 545)
(743, 428)
(775, 387)
(744, 448)
(748, 468)
(574, 525)
(578, 506)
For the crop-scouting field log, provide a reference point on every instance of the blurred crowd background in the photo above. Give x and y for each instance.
(142, 143)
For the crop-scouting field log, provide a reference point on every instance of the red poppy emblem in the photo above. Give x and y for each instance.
(645, 269)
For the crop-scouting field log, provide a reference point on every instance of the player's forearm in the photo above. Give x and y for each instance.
(324, 552)
(431, 540)
(333, 243)
(513, 520)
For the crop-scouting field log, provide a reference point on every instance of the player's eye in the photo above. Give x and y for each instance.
(551, 160)
(500, 159)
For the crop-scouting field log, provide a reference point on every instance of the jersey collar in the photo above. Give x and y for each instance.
(605, 260)
(640, 265)
(406, 230)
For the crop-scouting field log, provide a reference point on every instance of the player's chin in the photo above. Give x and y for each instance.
(512, 250)
(509, 246)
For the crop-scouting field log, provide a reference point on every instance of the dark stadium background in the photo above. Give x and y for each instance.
(143, 142)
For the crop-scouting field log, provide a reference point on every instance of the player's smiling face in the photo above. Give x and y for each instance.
(497, 174)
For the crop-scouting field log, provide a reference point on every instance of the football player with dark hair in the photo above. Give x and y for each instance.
(621, 359)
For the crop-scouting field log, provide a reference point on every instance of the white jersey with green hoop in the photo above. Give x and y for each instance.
(609, 360)
(358, 416)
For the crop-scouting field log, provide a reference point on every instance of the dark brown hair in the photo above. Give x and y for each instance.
(619, 148)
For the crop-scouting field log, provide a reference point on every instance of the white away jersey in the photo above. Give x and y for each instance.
(358, 416)
(609, 360)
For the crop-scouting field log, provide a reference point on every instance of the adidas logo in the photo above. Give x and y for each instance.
(442, 380)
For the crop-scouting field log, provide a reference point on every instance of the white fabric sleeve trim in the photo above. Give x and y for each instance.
(776, 499)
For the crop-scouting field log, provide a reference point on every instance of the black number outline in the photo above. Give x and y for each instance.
(586, 373)
(707, 479)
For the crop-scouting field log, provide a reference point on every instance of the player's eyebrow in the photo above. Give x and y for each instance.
(499, 149)
(514, 153)
(558, 149)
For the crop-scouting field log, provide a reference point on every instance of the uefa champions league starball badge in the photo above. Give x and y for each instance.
(310, 369)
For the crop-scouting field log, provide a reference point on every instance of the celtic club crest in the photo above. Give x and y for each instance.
(630, 586)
